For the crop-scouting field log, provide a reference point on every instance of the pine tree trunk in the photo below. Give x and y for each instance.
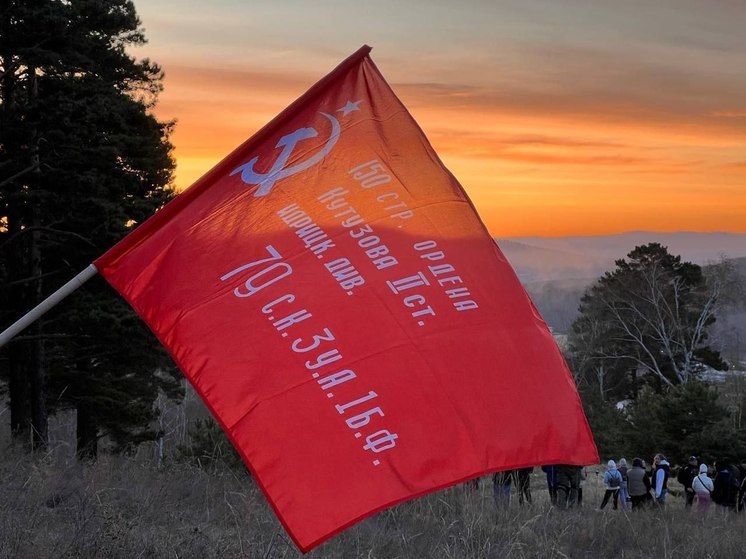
(39, 420)
(15, 295)
(19, 389)
(18, 352)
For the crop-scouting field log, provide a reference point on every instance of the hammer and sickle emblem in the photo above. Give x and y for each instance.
(280, 170)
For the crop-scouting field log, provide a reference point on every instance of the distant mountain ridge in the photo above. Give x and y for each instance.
(540, 259)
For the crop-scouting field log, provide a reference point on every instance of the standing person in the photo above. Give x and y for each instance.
(742, 493)
(551, 473)
(568, 480)
(649, 475)
(501, 487)
(742, 468)
(612, 481)
(661, 468)
(686, 476)
(623, 488)
(727, 483)
(523, 484)
(581, 482)
(638, 484)
(703, 487)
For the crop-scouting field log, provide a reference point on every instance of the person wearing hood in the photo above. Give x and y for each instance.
(703, 487)
(612, 481)
(661, 468)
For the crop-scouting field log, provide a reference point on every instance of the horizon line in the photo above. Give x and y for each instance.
(631, 232)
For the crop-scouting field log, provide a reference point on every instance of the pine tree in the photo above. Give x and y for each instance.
(82, 162)
(646, 322)
(687, 420)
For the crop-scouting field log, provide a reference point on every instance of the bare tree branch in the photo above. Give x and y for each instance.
(51, 230)
(19, 174)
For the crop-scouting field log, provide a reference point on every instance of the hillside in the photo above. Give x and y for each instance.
(556, 276)
(558, 300)
(539, 259)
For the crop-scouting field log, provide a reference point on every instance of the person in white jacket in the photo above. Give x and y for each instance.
(703, 487)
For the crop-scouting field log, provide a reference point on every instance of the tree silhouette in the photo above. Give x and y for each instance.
(646, 322)
(82, 161)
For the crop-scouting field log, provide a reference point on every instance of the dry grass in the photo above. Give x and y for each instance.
(125, 507)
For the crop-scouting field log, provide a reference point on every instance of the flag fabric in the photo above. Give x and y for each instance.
(331, 293)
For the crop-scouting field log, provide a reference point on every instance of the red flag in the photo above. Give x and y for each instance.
(332, 295)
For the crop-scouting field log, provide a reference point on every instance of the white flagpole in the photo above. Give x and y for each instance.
(47, 304)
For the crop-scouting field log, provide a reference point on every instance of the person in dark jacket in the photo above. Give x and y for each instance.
(638, 484)
(661, 469)
(685, 477)
(551, 472)
(742, 468)
(501, 488)
(568, 483)
(523, 484)
(581, 481)
(727, 483)
(742, 493)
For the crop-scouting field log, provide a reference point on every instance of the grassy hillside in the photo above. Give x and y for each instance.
(125, 507)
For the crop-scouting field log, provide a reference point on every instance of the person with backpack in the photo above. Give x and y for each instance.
(612, 481)
(686, 476)
(702, 486)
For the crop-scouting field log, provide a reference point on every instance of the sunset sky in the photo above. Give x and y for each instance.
(559, 117)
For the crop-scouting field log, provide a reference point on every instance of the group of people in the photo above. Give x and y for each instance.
(564, 482)
(502, 482)
(635, 486)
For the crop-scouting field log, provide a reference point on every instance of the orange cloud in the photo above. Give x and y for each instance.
(537, 159)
